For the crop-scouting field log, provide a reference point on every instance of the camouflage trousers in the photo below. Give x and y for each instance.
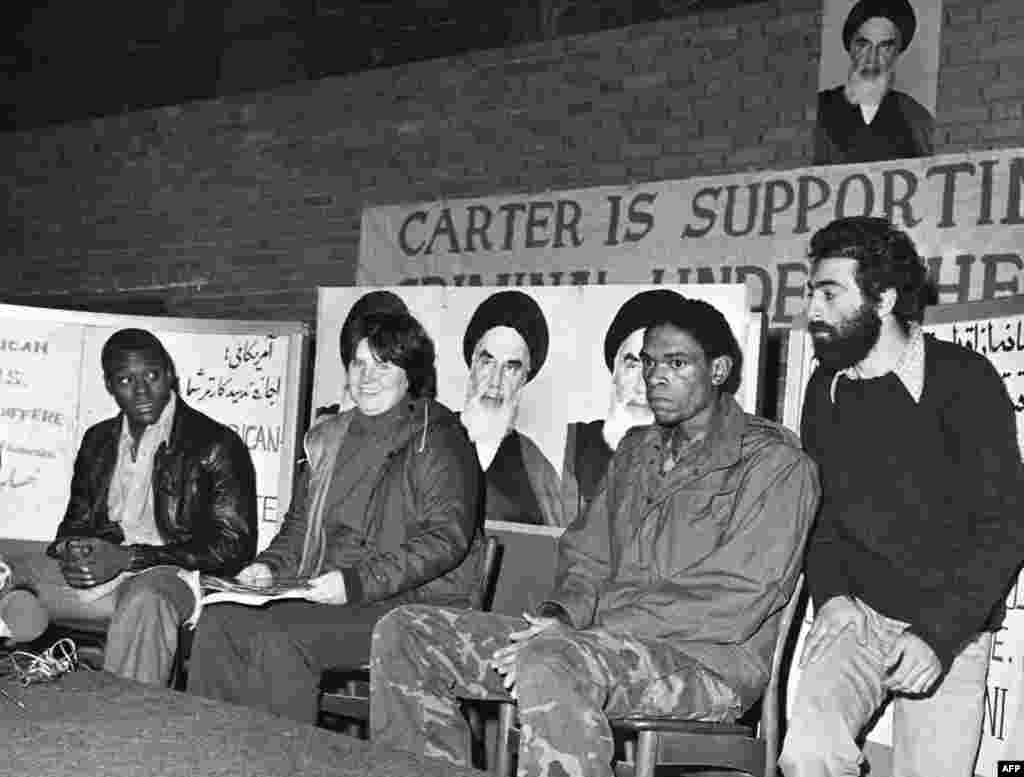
(425, 659)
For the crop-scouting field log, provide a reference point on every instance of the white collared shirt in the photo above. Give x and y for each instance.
(909, 369)
(130, 500)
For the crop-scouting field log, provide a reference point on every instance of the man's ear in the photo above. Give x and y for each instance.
(721, 366)
(886, 302)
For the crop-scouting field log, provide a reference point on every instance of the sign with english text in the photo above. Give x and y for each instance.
(964, 211)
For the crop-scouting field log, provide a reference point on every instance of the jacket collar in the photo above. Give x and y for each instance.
(721, 446)
(909, 369)
(419, 415)
(178, 410)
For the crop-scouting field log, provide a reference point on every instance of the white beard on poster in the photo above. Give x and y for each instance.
(487, 423)
(867, 90)
(621, 418)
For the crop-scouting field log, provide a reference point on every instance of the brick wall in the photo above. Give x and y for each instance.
(240, 207)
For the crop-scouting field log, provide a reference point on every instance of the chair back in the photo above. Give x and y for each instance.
(483, 595)
(672, 741)
(770, 728)
(352, 701)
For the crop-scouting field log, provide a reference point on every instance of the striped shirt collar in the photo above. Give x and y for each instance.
(909, 369)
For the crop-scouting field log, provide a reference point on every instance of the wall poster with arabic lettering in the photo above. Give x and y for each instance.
(248, 375)
(994, 328)
(39, 366)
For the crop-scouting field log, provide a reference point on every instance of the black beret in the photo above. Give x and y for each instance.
(378, 301)
(704, 322)
(899, 12)
(512, 309)
(636, 313)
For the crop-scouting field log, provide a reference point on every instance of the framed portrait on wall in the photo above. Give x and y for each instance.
(877, 80)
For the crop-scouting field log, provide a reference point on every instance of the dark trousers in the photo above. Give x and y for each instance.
(273, 656)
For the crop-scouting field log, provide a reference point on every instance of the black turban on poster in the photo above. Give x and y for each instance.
(702, 320)
(379, 301)
(899, 12)
(635, 314)
(512, 309)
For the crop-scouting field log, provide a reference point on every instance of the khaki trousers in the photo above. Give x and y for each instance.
(933, 736)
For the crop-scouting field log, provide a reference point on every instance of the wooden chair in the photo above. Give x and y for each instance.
(348, 687)
(668, 744)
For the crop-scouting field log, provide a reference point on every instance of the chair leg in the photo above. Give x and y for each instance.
(646, 750)
(489, 740)
(502, 754)
(629, 750)
(478, 734)
(354, 728)
(179, 667)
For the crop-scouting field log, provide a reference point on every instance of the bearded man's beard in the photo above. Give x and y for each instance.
(486, 421)
(850, 342)
(867, 85)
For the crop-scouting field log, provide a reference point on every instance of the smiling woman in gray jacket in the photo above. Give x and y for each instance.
(388, 512)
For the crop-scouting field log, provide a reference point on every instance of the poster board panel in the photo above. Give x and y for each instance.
(574, 383)
(248, 375)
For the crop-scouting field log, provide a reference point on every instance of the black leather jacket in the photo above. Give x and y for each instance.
(204, 495)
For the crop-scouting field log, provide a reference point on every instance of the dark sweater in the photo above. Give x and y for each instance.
(920, 516)
(510, 496)
(587, 458)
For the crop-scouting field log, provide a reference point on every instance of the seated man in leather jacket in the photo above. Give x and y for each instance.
(157, 488)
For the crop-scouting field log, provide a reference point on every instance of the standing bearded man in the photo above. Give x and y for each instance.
(919, 536)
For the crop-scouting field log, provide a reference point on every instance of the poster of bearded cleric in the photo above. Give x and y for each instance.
(546, 380)
(877, 80)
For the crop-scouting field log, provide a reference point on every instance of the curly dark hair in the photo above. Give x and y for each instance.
(886, 259)
(376, 301)
(400, 338)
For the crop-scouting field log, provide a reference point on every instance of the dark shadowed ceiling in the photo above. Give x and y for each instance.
(66, 60)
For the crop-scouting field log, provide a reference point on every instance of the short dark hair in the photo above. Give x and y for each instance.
(134, 340)
(400, 338)
(705, 324)
(886, 259)
(352, 331)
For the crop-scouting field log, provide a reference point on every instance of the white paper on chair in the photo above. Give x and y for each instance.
(209, 589)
